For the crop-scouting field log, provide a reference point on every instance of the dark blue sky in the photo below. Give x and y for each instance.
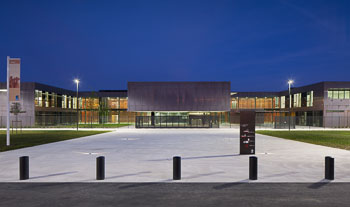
(257, 45)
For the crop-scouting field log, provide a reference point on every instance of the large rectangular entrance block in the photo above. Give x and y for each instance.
(179, 96)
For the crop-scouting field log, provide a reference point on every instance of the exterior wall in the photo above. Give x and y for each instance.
(324, 112)
(179, 96)
(269, 110)
(309, 115)
(336, 111)
(49, 110)
(27, 104)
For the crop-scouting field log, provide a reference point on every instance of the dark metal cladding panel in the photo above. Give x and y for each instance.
(179, 96)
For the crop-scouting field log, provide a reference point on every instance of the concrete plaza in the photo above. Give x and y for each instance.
(145, 155)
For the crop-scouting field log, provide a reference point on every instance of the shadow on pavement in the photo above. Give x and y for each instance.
(137, 185)
(229, 185)
(127, 175)
(278, 175)
(51, 175)
(199, 157)
(319, 184)
(202, 175)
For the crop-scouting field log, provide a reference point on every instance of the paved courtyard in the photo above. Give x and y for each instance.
(145, 155)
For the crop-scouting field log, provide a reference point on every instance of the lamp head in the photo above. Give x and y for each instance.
(290, 82)
(76, 81)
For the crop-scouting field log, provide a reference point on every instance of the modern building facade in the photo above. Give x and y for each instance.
(46, 105)
(324, 104)
(182, 104)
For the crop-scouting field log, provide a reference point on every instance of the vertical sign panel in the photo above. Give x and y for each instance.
(247, 132)
(14, 79)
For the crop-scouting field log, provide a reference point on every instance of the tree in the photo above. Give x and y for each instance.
(91, 105)
(16, 109)
(103, 111)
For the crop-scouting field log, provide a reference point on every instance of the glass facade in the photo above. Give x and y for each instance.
(112, 103)
(298, 100)
(105, 110)
(47, 99)
(247, 103)
(255, 103)
(91, 109)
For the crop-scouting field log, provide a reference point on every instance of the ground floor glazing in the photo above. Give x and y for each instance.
(271, 119)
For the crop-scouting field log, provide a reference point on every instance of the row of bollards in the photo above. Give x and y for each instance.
(24, 168)
(100, 168)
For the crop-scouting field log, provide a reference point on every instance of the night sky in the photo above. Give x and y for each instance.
(257, 45)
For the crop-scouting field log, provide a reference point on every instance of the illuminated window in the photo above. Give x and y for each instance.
(53, 100)
(113, 103)
(347, 94)
(234, 103)
(251, 103)
(297, 100)
(335, 94)
(276, 102)
(268, 103)
(81, 103)
(64, 101)
(96, 103)
(283, 102)
(46, 99)
(243, 103)
(124, 103)
(74, 102)
(260, 103)
(38, 98)
(310, 99)
(330, 94)
(247, 103)
(69, 102)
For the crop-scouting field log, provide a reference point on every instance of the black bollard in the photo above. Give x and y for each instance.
(176, 168)
(329, 168)
(100, 168)
(253, 168)
(24, 168)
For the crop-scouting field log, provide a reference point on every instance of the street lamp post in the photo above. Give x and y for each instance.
(77, 102)
(290, 82)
